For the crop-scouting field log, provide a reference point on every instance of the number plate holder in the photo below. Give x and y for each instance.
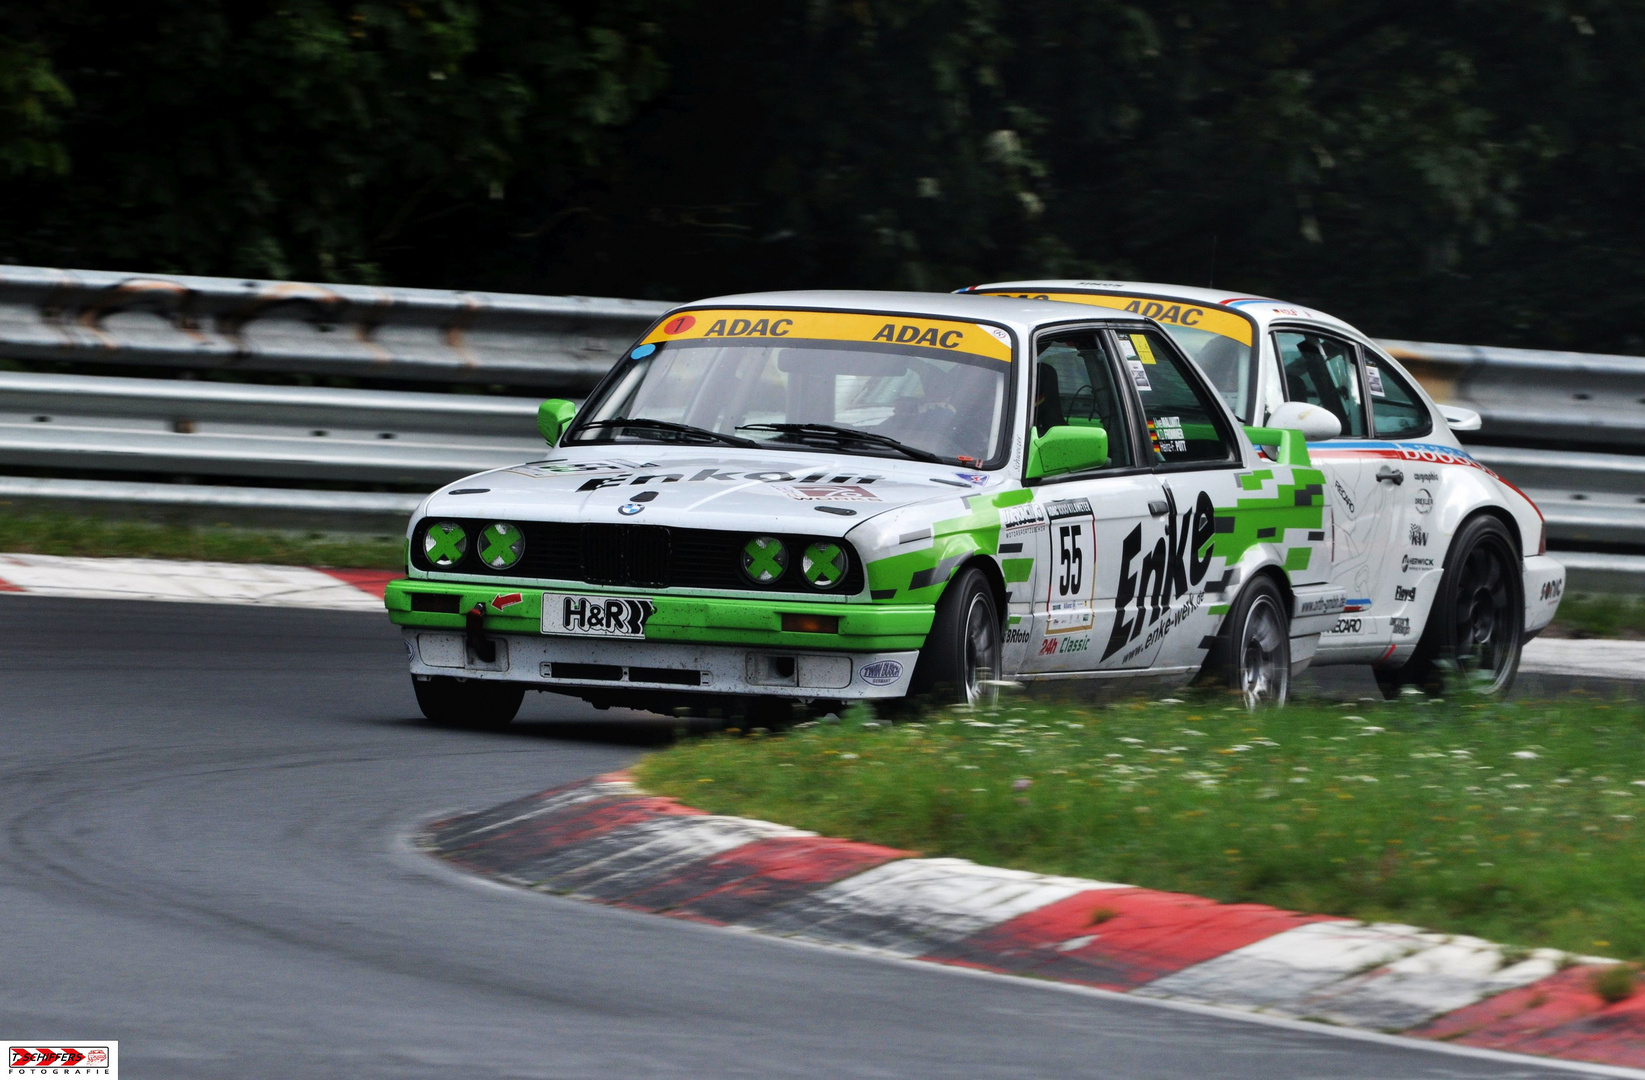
(574, 615)
(1073, 567)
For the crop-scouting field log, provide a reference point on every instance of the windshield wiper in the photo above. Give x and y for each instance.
(845, 434)
(686, 431)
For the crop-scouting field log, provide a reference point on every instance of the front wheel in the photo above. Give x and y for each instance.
(961, 657)
(483, 704)
(1476, 627)
(1253, 655)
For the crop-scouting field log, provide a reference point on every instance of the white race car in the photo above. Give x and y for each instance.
(1444, 562)
(827, 496)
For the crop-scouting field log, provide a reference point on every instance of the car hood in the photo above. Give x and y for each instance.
(808, 492)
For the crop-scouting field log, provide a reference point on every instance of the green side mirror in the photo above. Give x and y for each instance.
(552, 417)
(1290, 444)
(1065, 449)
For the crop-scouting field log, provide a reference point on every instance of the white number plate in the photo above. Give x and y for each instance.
(596, 616)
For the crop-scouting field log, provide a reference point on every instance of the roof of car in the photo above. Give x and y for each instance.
(1025, 313)
(1261, 308)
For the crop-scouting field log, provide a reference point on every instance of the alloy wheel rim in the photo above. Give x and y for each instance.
(1483, 627)
(1264, 675)
(982, 654)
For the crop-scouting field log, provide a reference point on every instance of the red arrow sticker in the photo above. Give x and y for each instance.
(507, 600)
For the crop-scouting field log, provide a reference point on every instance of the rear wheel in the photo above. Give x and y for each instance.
(472, 703)
(1476, 627)
(961, 657)
(1253, 656)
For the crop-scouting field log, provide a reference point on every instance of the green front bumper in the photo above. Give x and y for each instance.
(701, 620)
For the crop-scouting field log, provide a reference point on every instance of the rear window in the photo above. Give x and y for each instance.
(1396, 410)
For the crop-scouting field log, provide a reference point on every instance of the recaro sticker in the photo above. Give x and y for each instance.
(944, 335)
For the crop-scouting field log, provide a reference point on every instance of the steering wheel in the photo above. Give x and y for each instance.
(1071, 407)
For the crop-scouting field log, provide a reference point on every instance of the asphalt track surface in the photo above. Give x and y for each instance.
(204, 813)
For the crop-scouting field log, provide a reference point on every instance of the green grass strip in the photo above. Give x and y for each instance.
(1521, 823)
(1601, 615)
(46, 533)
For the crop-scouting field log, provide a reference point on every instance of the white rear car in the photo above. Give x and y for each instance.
(1444, 563)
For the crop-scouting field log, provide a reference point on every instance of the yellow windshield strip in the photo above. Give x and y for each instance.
(1207, 317)
(942, 334)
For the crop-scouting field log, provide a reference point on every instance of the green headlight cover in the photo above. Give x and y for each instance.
(824, 565)
(501, 545)
(764, 559)
(445, 543)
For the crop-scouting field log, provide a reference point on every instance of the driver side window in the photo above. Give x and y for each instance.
(1323, 371)
(1074, 384)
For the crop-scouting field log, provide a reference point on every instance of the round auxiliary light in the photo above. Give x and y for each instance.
(445, 543)
(824, 565)
(501, 545)
(764, 559)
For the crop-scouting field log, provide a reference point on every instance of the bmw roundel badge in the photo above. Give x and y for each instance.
(630, 509)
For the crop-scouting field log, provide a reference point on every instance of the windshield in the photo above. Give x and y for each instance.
(1214, 337)
(889, 386)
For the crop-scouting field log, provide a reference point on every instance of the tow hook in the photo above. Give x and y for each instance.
(479, 646)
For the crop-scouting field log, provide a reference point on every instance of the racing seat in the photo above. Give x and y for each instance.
(1309, 379)
(1220, 360)
(1048, 404)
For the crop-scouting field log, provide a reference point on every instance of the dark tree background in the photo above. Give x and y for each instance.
(1467, 171)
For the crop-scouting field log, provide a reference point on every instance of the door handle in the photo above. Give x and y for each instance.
(1158, 507)
(1394, 475)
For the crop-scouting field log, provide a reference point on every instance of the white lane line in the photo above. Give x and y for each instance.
(1599, 658)
(176, 580)
(1381, 976)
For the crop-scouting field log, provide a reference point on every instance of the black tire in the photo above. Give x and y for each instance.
(1476, 627)
(1391, 681)
(482, 704)
(1252, 656)
(962, 652)
(773, 714)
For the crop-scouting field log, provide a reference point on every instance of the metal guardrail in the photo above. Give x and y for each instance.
(293, 439)
(555, 342)
(1531, 396)
(1545, 418)
(210, 496)
(1586, 498)
(164, 426)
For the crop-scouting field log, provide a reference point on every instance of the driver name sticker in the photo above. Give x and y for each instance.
(1166, 435)
(711, 325)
